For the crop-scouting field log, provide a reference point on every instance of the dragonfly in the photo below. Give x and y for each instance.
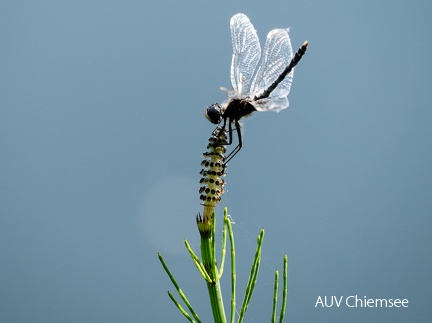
(265, 88)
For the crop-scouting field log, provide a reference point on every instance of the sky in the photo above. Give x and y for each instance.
(102, 133)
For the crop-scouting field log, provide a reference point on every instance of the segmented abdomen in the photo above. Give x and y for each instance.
(213, 169)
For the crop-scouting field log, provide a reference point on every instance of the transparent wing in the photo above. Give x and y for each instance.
(277, 54)
(246, 53)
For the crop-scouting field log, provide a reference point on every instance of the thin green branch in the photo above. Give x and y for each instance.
(252, 277)
(233, 265)
(182, 295)
(285, 290)
(223, 247)
(198, 263)
(180, 308)
(275, 296)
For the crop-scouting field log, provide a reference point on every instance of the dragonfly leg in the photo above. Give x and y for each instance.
(230, 130)
(219, 130)
(240, 144)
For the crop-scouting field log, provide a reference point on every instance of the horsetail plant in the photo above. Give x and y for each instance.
(211, 191)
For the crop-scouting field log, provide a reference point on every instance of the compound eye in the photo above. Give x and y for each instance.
(213, 113)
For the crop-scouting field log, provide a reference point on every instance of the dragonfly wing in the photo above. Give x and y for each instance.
(246, 53)
(277, 54)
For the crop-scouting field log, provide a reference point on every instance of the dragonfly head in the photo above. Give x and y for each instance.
(213, 113)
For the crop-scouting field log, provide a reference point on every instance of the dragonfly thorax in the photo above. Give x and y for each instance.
(237, 109)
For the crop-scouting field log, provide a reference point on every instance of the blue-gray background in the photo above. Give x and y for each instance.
(101, 135)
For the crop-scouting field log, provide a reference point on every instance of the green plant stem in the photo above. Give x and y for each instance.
(208, 255)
